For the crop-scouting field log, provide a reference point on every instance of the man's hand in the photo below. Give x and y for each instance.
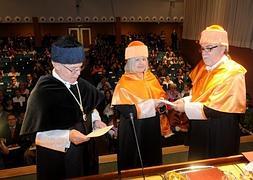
(3, 148)
(179, 105)
(99, 124)
(76, 137)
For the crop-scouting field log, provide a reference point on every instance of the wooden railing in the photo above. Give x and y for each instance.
(31, 170)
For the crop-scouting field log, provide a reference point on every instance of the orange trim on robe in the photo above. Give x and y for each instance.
(130, 89)
(222, 89)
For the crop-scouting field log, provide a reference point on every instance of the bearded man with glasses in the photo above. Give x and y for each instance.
(60, 113)
(218, 99)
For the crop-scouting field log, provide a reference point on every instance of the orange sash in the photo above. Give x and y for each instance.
(132, 90)
(222, 89)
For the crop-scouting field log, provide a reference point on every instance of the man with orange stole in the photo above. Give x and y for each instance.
(217, 101)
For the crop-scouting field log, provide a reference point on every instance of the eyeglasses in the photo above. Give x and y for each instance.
(74, 70)
(208, 49)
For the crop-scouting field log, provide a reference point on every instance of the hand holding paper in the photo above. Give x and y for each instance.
(167, 102)
(179, 105)
(99, 132)
(77, 137)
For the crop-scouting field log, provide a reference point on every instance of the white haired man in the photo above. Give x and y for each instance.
(217, 101)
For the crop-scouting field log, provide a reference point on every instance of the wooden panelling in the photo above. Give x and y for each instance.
(57, 29)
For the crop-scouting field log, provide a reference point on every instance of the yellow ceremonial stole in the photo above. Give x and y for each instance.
(222, 89)
(132, 90)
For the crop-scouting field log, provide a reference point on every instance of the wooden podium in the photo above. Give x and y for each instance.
(159, 170)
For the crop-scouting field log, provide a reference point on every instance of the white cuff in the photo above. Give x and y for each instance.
(147, 109)
(187, 98)
(194, 110)
(95, 116)
(57, 140)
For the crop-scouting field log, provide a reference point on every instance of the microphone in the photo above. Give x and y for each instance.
(137, 144)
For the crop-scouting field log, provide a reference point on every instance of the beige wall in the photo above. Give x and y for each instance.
(91, 8)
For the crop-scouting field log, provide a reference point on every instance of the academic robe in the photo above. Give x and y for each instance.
(131, 90)
(51, 106)
(222, 92)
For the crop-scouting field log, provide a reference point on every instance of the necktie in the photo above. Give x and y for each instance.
(12, 131)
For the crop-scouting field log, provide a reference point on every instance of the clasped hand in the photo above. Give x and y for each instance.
(179, 105)
(77, 137)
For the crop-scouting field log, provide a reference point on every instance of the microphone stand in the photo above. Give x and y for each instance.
(137, 144)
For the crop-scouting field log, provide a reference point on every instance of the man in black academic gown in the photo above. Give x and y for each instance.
(61, 112)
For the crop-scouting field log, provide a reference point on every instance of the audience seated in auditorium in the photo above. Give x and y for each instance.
(19, 102)
(23, 90)
(14, 84)
(15, 157)
(13, 72)
(173, 93)
(30, 81)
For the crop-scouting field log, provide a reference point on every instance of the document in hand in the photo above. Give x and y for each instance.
(166, 102)
(99, 132)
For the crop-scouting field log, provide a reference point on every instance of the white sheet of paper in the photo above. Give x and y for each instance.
(13, 148)
(99, 132)
(166, 102)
